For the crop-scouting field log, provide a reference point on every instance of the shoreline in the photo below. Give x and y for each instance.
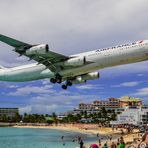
(92, 129)
(81, 128)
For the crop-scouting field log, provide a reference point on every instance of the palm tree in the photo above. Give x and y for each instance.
(16, 118)
(54, 116)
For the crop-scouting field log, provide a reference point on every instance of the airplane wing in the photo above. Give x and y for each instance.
(48, 59)
(12, 42)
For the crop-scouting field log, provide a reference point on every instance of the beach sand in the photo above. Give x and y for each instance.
(82, 128)
(89, 129)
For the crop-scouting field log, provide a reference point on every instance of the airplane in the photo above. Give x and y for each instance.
(69, 70)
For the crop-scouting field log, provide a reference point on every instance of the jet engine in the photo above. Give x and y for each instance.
(91, 76)
(77, 61)
(83, 78)
(78, 80)
(39, 49)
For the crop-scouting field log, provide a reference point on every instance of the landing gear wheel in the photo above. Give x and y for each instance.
(64, 86)
(69, 83)
(59, 81)
(52, 80)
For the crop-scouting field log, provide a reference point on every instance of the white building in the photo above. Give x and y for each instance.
(60, 117)
(9, 112)
(134, 116)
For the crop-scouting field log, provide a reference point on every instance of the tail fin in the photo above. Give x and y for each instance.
(12, 42)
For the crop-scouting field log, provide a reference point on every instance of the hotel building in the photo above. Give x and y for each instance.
(115, 104)
(9, 112)
(135, 116)
(131, 102)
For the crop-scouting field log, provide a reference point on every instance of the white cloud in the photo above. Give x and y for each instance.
(58, 102)
(8, 85)
(25, 109)
(140, 75)
(44, 108)
(123, 70)
(130, 84)
(23, 91)
(89, 86)
(12, 86)
(127, 84)
(45, 81)
(142, 92)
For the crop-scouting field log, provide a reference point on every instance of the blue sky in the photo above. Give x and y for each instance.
(72, 27)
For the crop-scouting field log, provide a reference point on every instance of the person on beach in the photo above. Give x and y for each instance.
(122, 132)
(62, 138)
(104, 146)
(113, 145)
(144, 142)
(122, 143)
(100, 143)
(81, 144)
(93, 146)
(98, 135)
(118, 142)
(110, 137)
(79, 139)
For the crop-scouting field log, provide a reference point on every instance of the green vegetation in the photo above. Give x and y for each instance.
(29, 118)
(33, 118)
(104, 116)
(15, 118)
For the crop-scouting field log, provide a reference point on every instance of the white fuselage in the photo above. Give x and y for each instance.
(99, 59)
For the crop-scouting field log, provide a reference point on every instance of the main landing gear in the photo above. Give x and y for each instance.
(68, 83)
(58, 79)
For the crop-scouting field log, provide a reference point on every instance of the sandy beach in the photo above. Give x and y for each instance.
(82, 128)
(89, 129)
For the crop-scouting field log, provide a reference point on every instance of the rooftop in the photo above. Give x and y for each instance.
(127, 98)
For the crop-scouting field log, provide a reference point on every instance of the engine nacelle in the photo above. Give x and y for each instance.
(39, 49)
(78, 61)
(91, 76)
(78, 80)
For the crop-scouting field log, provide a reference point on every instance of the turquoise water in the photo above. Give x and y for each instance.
(39, 138)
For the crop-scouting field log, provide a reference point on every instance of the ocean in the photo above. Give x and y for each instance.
(40, 138)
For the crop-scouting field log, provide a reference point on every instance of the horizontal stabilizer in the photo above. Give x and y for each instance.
(12, 42)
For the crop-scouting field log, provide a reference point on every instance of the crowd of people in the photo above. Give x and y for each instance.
(108, 144)
(119, 143)
(139, 141)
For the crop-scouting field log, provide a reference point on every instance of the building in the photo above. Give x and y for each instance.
(135, 116)
(96, 106)
(9, 112)
(144, 116)
(113, 104)
(61, 116)
(131, 102)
